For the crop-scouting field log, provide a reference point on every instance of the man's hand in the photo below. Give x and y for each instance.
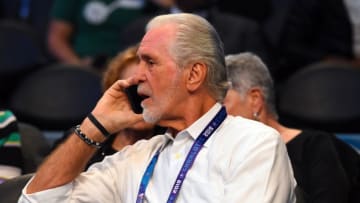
(113, 110)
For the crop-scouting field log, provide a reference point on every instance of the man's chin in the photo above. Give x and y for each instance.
(150, 117)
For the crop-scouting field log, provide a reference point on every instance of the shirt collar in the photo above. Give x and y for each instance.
(198, 126)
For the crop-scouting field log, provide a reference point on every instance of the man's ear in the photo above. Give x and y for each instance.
(256, 100)
(196, 76)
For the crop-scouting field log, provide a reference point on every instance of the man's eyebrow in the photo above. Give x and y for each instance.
(144, 56)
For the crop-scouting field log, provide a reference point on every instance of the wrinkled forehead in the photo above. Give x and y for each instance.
(158, 38)
(160, 33)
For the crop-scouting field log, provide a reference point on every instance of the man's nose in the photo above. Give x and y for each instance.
(140, 73)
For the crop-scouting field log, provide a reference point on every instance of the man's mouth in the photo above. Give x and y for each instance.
(143, 96)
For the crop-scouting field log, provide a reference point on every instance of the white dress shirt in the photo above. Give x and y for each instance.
(243, 161)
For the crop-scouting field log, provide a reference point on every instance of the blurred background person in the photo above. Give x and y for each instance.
(319, 165)
(353, 8)
(86, 32)
(246, 8)
(11, 158)
(314, 31)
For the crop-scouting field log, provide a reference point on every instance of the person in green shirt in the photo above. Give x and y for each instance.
(86, 32)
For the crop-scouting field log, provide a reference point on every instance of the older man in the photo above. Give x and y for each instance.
(205, 155)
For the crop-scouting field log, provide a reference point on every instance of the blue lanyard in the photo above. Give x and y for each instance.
(190, 158)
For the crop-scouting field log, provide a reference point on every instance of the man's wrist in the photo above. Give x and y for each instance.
(91, 131)
(98, 125)
(87, 139)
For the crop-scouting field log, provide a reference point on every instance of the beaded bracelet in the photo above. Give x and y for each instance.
(86, 139)
(99, 126)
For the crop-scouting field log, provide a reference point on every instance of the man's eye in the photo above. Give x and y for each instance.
(150, 62)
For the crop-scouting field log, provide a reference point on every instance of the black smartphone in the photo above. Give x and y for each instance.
(134, 99)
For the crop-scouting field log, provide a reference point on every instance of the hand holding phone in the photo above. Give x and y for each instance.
(134, 99)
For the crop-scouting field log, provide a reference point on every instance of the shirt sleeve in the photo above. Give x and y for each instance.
(262, 173)
(112, 180)
(85, 188)
(58, 194)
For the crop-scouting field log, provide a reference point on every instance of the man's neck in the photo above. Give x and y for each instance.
(189, 113)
